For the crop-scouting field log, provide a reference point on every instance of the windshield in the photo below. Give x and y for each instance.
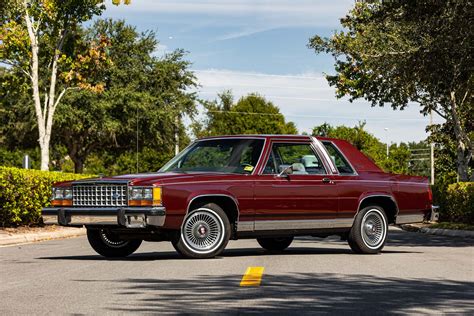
(218, 155)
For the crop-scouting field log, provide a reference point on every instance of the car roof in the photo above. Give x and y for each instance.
(357, 159)
(259, 136)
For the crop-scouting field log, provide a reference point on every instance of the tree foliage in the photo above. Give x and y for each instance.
(38, 40)
(98, 131)
(142, 92)
(252, 114)
(397, 52)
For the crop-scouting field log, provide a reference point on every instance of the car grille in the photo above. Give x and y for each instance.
(100, 195)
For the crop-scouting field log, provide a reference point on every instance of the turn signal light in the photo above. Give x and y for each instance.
(61, 202)
(144, 196)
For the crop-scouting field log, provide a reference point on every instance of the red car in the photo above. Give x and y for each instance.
(268, 187)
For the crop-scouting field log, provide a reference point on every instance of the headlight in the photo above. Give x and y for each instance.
(67, 195)
(140, 193)
(62, 196)
(144, 196)
(58, 193)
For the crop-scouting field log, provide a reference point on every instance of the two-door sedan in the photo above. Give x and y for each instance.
(268, 187)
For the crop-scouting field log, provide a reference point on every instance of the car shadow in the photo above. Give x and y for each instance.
(401, 238)
(230, 253)
(295, 293)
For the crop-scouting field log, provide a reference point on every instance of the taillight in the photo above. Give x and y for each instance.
(430, 195)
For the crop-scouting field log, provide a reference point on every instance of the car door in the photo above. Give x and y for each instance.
(305, 199)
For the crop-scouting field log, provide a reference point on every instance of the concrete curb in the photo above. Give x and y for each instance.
(439, 231)
(15, 239)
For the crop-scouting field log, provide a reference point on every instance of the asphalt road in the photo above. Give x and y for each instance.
(416, 273)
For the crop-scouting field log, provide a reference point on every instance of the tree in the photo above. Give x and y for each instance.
(37, 39)
(141, 91)
(397, 52)
(252, 114)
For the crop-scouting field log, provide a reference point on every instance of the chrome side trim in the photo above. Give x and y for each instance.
(304, 224)
(247, 226)
(409, 218)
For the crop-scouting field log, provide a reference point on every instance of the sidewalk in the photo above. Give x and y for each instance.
(424, 228)
(22, 235)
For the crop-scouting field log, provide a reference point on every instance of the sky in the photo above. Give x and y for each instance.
(261, 46)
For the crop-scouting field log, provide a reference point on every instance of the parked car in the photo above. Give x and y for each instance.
(268, 187)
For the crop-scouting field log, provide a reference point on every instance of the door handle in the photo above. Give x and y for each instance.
(326, 180)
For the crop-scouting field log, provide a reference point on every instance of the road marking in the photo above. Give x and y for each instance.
(252, 277)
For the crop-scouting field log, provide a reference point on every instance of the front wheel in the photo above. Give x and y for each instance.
(108, 244)
(275, 244)
(204, 233)
(369, 231)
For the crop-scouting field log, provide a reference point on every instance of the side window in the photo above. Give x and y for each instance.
(338, 159)
(284, 155)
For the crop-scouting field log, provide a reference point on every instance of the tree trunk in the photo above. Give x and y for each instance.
(44, 148)
(78, 165)
(462, 163)
(463, 143)
(34, 77)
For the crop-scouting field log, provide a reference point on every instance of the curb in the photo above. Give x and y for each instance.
(439, 231)
(16, 239)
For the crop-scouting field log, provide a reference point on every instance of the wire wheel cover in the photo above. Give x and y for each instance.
(111, 240)
(203, 231)
(373, 228)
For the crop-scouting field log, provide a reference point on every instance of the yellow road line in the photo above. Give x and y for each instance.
(252, 277)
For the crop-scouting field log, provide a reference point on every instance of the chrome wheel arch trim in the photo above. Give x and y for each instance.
(391, 197)
(236, 202)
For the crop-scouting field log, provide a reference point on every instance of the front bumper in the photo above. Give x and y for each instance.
(131, 217)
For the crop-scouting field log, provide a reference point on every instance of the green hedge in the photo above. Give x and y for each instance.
(456, 202)
(24, 192)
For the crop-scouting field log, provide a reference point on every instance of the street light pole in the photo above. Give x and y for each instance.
(432, 153)
(386, 129)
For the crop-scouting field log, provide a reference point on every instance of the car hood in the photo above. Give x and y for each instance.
(155, 178)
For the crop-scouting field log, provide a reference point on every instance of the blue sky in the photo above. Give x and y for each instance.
(261, 46)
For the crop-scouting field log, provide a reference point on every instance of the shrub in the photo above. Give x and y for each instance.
(457, 203)
(24, 192)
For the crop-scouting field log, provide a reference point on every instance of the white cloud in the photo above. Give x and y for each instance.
(307, 100)
(270, 12)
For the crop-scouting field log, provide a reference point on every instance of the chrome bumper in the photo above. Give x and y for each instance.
(131, 217)
(429, 215)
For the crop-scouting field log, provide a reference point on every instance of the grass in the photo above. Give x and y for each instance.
(450, 225)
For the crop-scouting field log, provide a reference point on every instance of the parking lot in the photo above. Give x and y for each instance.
(415, 273)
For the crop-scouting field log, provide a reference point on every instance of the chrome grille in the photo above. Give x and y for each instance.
(99, 195)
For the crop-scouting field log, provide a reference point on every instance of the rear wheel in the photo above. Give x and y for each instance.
(369, 231)
(275, 244)
(204, 234)
(108, 244)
